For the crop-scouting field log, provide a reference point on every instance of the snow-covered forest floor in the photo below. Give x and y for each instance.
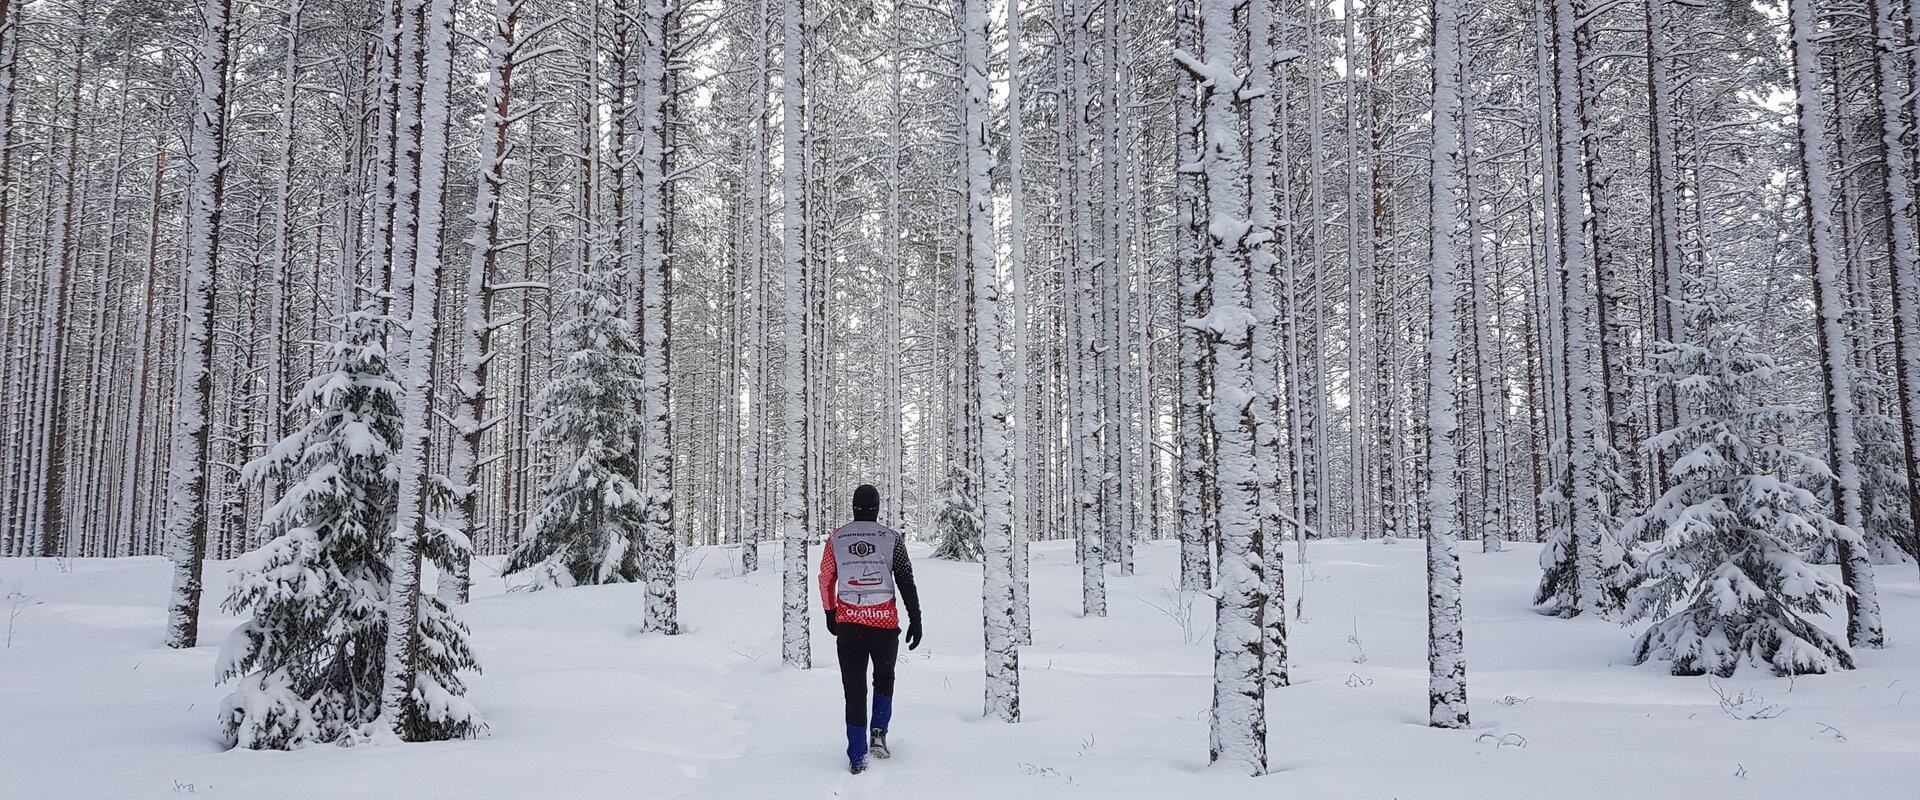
(582, 706)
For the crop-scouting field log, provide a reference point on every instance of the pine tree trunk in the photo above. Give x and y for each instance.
(795, 647)
(1489, 395)
(1270, 315)
(186, 526)
(1585, 398)
(470, 421)
(1238, 731)
(1088, 486)
(1385, 330)
(12, 537)
(1357, 388)
(1022, 413)
(1446, 656)
(1665, 198)
(421, 120)
(53, 521)
(656, 307)
(983, 301)
(1116, 485)
(757, 485)
(131, 479)
(1193, 511)
(1320, 516)
(1903, 252)
(1830, 313)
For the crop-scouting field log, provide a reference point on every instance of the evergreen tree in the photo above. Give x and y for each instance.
(1562, 582)
(310, 659)
(439, 703)
(590, 513)
(1730, 528)
(1883, 475)
(958, 520)
(1564, 570)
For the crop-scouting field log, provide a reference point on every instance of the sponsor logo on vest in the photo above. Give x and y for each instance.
(863, 552)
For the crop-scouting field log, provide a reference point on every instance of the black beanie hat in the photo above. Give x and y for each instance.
(866, 503)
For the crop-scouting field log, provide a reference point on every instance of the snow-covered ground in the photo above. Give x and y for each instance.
(582, 706)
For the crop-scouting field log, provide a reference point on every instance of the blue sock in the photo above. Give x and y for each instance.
(882, 710)
(856, 744)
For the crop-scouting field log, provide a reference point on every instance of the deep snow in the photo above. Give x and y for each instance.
(582, 705)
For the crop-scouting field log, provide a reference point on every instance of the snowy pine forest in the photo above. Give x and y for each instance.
(1391, 398)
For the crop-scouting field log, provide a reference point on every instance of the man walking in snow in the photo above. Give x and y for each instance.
(862, 567)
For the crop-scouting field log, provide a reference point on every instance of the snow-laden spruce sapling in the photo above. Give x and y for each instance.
(589, 521)
(309, 662)
(1726, 581)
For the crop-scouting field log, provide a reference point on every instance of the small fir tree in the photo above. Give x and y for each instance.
(1725, 579)
(309, 661)
(588, 524)
(441, 710)
(1883, 471)
(959, 521)
(1559, 590)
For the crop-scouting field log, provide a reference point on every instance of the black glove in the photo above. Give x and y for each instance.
(832, 624)
(913, 634)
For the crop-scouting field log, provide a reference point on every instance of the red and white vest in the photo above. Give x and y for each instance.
(856, 574)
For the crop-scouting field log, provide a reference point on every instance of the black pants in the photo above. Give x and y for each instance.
(858, 644)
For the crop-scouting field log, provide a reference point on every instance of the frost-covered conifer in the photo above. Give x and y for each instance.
(589, 518)
(959, 522)
(309, 662)
(1730, 527)
(1564, 569)
(1888, 530)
